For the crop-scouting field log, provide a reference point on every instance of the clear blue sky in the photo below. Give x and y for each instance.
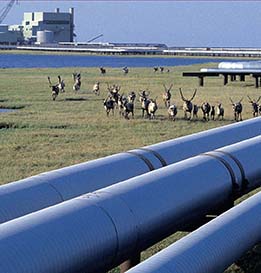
(175, 23)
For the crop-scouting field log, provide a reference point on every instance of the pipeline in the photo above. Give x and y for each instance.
(34, 193)
(214, 246)
(99, 230)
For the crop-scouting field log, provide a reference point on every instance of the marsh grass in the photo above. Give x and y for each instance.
(43, 135)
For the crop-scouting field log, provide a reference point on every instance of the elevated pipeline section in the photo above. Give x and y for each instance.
(34, 193)
(214, 246)
(253, 65)
(99, 230)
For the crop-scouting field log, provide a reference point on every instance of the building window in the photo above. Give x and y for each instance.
(27, 23)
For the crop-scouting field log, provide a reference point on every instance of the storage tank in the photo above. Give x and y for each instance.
(45, 37)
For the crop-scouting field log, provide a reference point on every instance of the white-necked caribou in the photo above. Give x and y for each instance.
(166, 96)
(187, 105)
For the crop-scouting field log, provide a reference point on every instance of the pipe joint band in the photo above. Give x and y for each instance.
(245, 182)
(143, 158)
(157, 155)
(235, 186)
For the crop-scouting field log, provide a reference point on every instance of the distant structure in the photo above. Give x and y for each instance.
(10, 34)
(60, 23)
(40, 28)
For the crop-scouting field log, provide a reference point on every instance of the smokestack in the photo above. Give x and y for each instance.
(57, 10)
(71, 11)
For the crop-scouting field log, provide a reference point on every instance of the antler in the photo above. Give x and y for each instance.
(181, 94)
(166, 89)
(109, 87)
(250, 100)
(231, 101)
(49, 80)
(258, 99)
(170, 86)
(241, 99)
(194, 94)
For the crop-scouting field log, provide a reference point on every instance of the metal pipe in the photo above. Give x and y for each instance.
(214, 246)
(44, 190)
(100, 230)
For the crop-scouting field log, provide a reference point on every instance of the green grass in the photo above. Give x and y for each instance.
(43, 135)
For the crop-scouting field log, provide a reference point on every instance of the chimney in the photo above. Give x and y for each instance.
(57, 10)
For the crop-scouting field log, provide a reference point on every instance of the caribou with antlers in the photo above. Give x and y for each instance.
(237, 108)
(187, 105)
(55, 88)
(61, 84)
(144, 100)
(255, 106)
(166, 96)
(77, 81)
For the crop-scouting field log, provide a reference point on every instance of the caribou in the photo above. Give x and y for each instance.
(102, 70)
(125, 70)
(195, 111)
(144, 100)
(114, 92)
(109, 104)
(55, 88)
(132, 97)
(213, 112)
(77, 81)
(237, 108)
(61, 84)
(255, 106)
(96, 89)
(128, 107)
(220, 111)
(152, 108)
(187, 105)
(166, 96)
(205, 107)
(172, 111)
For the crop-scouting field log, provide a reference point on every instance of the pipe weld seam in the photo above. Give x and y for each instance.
(116, 232)
(143, 158)
(235, 186)
(157, 155)
(240, 166)
(57, 191)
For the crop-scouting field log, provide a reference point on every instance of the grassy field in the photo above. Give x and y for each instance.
(43, 135)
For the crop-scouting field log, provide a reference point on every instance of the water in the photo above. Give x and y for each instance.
(32, 61)
(4, 110)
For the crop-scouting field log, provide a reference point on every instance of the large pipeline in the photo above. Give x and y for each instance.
(214, 246)
(50, 188)
(99, 230)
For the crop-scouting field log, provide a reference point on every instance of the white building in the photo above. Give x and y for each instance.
(60, 23)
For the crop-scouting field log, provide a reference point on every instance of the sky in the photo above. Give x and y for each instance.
(174, 23)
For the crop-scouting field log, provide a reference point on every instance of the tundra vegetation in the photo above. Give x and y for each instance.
(43, 134)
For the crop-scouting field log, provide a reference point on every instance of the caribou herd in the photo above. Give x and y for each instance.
(125, 103)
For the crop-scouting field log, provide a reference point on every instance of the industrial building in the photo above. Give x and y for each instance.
(41, 28)
(48, 27)
(9, 35)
